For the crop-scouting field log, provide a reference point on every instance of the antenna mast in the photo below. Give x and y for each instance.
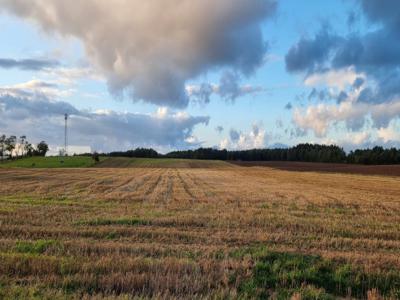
(66, 135)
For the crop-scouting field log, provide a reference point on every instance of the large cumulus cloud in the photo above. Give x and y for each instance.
(150, 48)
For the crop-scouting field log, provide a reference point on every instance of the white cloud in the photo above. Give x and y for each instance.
(319, 118)
(389, 134)
(359, 138)
(52, 83)
(351, 140)
(32, 88)
(242, 141)
(69, 76)
(339, 79)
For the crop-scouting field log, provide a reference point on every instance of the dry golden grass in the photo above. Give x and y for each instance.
(184, 233)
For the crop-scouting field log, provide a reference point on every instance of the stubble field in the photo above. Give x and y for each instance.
(218, 232)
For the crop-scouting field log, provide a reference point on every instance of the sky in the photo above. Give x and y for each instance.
(182, 74)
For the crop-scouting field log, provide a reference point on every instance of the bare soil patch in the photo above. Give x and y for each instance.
(385, 170)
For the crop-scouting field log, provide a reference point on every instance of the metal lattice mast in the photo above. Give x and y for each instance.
(66, 135)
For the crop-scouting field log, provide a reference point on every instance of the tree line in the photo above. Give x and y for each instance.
(138, 152)
(12, 147)
(374, 156)
(301, 152)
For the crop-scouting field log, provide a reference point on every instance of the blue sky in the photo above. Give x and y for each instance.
(140, 98)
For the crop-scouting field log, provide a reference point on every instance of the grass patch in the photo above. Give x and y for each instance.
(50, 162)
(21, 292)
(253, 252)
(23, 200)
(312, 277)
(36, 247)
(109, 222)
(39, 202)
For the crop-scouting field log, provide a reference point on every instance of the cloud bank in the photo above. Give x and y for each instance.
(32, 113)
(27, 64)
(149, 49)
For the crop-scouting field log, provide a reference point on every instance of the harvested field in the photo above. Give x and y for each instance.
(197, 233)
(385, 170)
(124, 162)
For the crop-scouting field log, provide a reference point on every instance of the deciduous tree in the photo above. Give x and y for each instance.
(42, 148)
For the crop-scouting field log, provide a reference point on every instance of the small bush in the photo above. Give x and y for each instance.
(95, 157)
